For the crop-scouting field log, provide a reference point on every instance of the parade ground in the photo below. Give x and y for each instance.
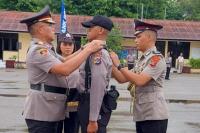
(182, 92)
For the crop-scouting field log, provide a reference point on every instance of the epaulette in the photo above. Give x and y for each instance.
(39, 43)
(156, 52)
(148, 53)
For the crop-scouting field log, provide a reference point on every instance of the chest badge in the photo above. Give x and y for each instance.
(97, 58)
(43, 51)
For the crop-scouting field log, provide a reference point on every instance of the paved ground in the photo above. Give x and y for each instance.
(182, 92)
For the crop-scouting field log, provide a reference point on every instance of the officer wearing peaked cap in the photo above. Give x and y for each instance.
(45, 101)
(150, 109)
(94, 79)
(43, 16)
(142, 26)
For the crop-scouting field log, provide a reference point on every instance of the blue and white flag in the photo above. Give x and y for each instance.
(63, 19)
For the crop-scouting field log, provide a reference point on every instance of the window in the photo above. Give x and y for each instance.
(1, 48)
(14, 44)
(8, 41)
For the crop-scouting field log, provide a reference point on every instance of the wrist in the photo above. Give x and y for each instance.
(82, 48)
(92, 122)
(120, 66)
(88, 49)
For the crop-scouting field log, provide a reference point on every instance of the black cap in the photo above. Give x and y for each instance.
(142, 26)
(43, 16)
(98, 20)
(65, 37)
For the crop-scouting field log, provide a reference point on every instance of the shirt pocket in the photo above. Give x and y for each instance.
(54, 97)
(147, 98)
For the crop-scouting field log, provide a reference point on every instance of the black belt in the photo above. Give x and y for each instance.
(48, 88)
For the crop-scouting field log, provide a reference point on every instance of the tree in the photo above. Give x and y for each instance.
(152, 9)
(174, 10)
(191, 9)
(115, 39)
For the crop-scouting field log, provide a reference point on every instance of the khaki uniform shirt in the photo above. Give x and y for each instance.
(101, 68)
(41, 105)
(73, 79)
(150, 103)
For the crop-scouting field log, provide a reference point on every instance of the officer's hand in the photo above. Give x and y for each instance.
(115, 58)
(92, 127)
(94, 46)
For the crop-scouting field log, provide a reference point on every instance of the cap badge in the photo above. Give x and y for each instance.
(68, 35)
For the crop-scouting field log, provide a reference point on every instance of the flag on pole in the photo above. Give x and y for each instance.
(63, 19)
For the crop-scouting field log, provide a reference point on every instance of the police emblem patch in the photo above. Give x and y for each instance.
(154, 60)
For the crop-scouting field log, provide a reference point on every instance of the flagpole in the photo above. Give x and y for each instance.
(63, 19)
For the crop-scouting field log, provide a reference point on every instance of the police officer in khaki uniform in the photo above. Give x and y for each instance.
(150, 108)
(92, 118)
(66, 46)
(45, 102)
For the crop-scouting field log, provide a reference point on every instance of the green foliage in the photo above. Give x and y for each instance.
(152, 8)
(191, 9)
(174, 10)
(83, 40)
(114, 40)
(14, 57)
(195, 63)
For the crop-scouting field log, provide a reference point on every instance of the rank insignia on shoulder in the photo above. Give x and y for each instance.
(97, 58)
(39, 43)
(43, 51)
(154, 60)
(148, 53)
(156, 52)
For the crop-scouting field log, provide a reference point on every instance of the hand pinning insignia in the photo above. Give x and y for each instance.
(154, 60)
(97, 58)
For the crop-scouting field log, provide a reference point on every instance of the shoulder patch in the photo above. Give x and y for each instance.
(97, 57)
(154, 60)
(43, 51)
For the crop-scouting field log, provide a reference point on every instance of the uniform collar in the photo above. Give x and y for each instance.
(148, 52)
(39, 42)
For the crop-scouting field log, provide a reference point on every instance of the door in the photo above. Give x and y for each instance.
(1, 49)
(176, 47)
(160, 45)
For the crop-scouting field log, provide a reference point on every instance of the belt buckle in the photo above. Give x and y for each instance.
(72, 104)
(42, 87)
